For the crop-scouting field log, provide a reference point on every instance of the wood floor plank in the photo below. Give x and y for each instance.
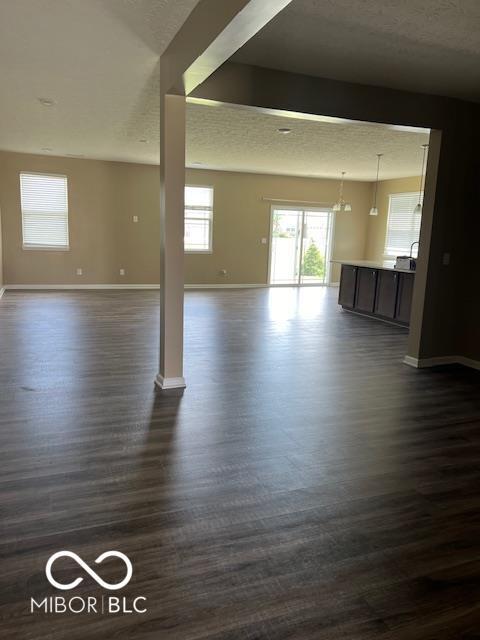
(306, 486)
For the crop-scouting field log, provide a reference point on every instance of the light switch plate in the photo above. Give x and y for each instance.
(79, 272)
(264, 241)
(446, 259)
(122, 272)
(135, 218)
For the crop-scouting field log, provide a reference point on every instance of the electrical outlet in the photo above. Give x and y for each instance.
(135, 218)
(79, 272)
(122, 272)
(446, 259)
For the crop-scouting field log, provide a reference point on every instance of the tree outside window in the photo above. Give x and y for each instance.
(313, 263)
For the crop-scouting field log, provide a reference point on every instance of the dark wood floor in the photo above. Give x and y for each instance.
(307, 485)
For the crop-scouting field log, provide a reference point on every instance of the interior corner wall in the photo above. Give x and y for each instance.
(468, 300)
(104, 197)
(469, 304)
(1, 252)
(377, 225)
(443, 324)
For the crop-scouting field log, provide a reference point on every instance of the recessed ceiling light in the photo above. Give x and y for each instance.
(284, 130)
(75, 155)
(47, 149)
(197, 163)
(46, 102)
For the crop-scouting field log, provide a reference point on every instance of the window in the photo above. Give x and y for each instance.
(300, 245)
(44, 202)
(403, 226)
(198, 219)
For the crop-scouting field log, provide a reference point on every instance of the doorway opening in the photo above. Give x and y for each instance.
(300, 246)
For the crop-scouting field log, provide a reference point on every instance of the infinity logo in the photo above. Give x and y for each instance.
(85, 567)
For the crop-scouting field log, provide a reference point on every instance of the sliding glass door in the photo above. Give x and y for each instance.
(300, 246)
(285, 246)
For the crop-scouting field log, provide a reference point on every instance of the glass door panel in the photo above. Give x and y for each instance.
(300, 246)
(285, 246)
(315, 259)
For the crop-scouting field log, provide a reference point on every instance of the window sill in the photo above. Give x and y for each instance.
(406, 254)
(43, 247)
(194, 251)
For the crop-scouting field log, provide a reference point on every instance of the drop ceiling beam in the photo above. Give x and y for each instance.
(212, 33)
(271, 89)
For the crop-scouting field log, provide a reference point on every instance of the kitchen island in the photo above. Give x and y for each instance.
(377, 290)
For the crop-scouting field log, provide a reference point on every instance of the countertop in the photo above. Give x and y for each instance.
(387, 265)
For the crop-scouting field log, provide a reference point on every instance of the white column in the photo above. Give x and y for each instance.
(172, 185)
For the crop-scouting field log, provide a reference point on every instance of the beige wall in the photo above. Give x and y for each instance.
(377, 225)
(1, 252)
(242, 219)
(104, 197)
(95, 206)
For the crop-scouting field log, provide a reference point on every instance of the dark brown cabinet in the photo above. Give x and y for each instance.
(366, 287)
(404, 298)
(381, 293)
(348, 284)
(386, 299)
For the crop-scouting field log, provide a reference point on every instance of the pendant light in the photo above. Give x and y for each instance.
(418, 209)
(341, 205)
(374, 209)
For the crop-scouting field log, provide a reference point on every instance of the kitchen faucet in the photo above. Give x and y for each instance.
(412, 245)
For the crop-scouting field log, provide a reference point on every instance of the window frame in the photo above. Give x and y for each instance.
(386, 254)
(303, 209)
(44, 247)
(210, 220)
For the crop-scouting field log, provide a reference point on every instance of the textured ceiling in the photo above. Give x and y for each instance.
(431, 46)
(248, 140)
(98, 59)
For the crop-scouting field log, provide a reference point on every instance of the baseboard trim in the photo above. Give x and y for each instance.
(412, 362)
(73, 287)
(424, 363)
(169, 383)
(469, 362)
(226, 286)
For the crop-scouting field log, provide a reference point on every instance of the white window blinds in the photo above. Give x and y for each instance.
(44, 201)
(198, 219)
(403, 226)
